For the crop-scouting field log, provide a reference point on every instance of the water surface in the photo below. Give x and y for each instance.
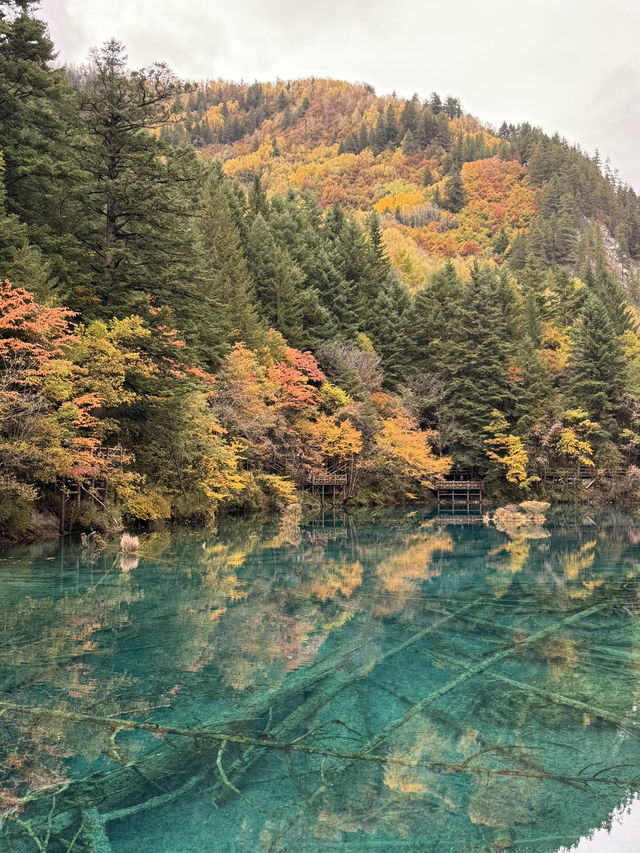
(400, 682)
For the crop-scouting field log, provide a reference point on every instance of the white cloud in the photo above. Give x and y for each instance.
(570, 66)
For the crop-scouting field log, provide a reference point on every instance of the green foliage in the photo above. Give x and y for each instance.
(597, 367)
(443, 276)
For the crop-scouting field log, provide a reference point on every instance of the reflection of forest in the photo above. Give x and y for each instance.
(484, 684)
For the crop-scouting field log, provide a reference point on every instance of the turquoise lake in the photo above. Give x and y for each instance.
(393, 682)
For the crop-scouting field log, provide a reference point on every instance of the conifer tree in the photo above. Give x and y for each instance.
(379, 135)
(596, 363)
(455, 193)
(391, 127)
(140, 197)
(531, 319)
(277, 282)
(363, 137)
(409, 117)
(427, 129)
(474, 359)
(33, 108)
(612, 297)
(443, 134)
(567, 298)
(517, 254)
(231, 307)
(427, 177)
(409, 144)
(533, 388)
(500, 242)
(258, 203)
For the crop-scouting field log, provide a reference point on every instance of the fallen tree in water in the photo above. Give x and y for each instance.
(82, 809)
(116, 790)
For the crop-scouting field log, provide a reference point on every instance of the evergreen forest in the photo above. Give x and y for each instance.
(212, 293)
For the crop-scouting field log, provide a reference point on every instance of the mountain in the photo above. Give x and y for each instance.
(214, 295)
(444, 185)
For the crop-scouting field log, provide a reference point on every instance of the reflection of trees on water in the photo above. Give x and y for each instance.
(226, 624)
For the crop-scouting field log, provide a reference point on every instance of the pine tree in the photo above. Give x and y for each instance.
(391, 127)
(443, 134)
(473, 359)
(409, 144)
(566, 298)
(427, 177)
(435, 304)
(139, 197)
(427, 129)
(596, 363)
(435, 102)
(517, 254)
(455, 193)
(531, 319)
(277, 282)
(533, 389)
(363, 137)
(409, 116)
(500, 242)
(258, 203)
(232, 307)
(379, 136)
(33, 104)
(532, 280)
(610, 293)
(388, 331)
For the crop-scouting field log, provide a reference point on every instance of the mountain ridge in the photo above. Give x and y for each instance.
(364, 151)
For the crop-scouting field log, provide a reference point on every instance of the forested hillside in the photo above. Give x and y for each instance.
(243, 286)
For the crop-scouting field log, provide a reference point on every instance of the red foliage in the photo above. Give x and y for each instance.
(470, 247)
(32, 336)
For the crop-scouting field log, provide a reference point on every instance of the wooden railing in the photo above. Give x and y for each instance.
(462, 485)
(327, 480)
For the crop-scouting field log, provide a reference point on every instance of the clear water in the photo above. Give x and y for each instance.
(441, 686)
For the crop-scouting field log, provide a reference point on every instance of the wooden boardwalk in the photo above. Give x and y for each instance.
(460, 493)
(328, 485)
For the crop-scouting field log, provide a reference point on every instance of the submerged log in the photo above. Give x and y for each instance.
(420, 706)
(116, 790)
(120, 787)
(113, 795)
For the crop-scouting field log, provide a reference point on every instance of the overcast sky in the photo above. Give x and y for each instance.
(566, 65)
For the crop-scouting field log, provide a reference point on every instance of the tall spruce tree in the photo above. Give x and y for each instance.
(140, 197)
(456, 195)
(32, 112)
(231, 308)
(473, 360)
(596, 364)
(277, 282)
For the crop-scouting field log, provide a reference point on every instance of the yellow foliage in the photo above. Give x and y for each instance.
(630, 344)
(572, 441)
(333, 397)
(364, 342)
(332, 439)
(555, 348)
(280, 488)
(407, 449)
(412, 262)
(508, 451)
(577, 562)
(517, 552)
(389, 203)
(145, 504)
(400, 572)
